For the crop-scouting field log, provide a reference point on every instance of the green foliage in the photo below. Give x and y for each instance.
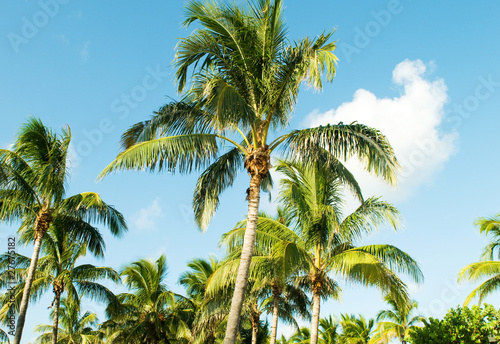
(487, 268)
(461, 325)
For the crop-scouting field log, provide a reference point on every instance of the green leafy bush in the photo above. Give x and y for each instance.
(460, 326)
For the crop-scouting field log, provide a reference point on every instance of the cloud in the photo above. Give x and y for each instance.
(144, 220)
(410, 121)
(85, 51)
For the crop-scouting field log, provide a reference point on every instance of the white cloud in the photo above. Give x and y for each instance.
(145, 219)
(411, 122)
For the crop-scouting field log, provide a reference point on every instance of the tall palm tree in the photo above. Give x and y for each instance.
(325, 242)
(244, 85)
(356, 329)
(488, 267)
(58, 269)
(397, 321)
(77, 328)
(151, 313)
(33, 177)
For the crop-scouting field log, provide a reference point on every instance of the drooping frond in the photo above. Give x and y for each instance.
(370, 215)
(90, 207)
(477, 271)
(183, 153)
(213, 181)
(344, 141)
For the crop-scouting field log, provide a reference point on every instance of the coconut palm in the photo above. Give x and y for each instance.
(325, 242)
(269, 272)
(210, 311)
(244, 86)
(57, 269)
(396, 323)
(33, 177)
(150, 313)
(356, 329)
(328, 331)
(301, 336)
(76, 328)
(488, 267)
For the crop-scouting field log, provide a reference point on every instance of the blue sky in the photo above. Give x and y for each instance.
(425, 73)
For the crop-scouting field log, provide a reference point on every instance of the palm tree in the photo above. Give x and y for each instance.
(270, 273)
(57, 269)
(210, 311)
(76, 328)
(397, 321)
(33, 178)
(301, 336)
(325, 243)
(245, 83)
(356, 330)
(151, 313)
(487, 267)
(329, 330)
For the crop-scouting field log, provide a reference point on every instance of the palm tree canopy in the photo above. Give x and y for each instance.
(150, 312)
(57, 269)
(245, 78)
(33, 179)
(75, 327)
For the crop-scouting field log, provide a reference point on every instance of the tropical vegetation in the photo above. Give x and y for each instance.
(238, 75)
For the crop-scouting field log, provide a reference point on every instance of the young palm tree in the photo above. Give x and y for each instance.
(245, 83)
(301, 336)
(356, 330)
(329, 330)
(33, 177)
(57, 269)
(487, 267)
(397, 321)
(210, 311)
(76, 328)
(151, 313)
(325, 243)
(270, 273)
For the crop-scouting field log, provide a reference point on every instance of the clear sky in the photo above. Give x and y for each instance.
(426, 73)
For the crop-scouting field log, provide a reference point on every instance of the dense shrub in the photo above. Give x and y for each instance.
(461, 325)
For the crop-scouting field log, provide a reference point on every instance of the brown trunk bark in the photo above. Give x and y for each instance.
(27, 289)
(246, 257)
(315, 317)
(255, 331)
(274, 327)
(57, 303)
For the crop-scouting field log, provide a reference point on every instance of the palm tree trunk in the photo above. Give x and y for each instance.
(27, 289)
(315, 317)
(246, 257)
(274, 327)
(255, 330)
(57, 303)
